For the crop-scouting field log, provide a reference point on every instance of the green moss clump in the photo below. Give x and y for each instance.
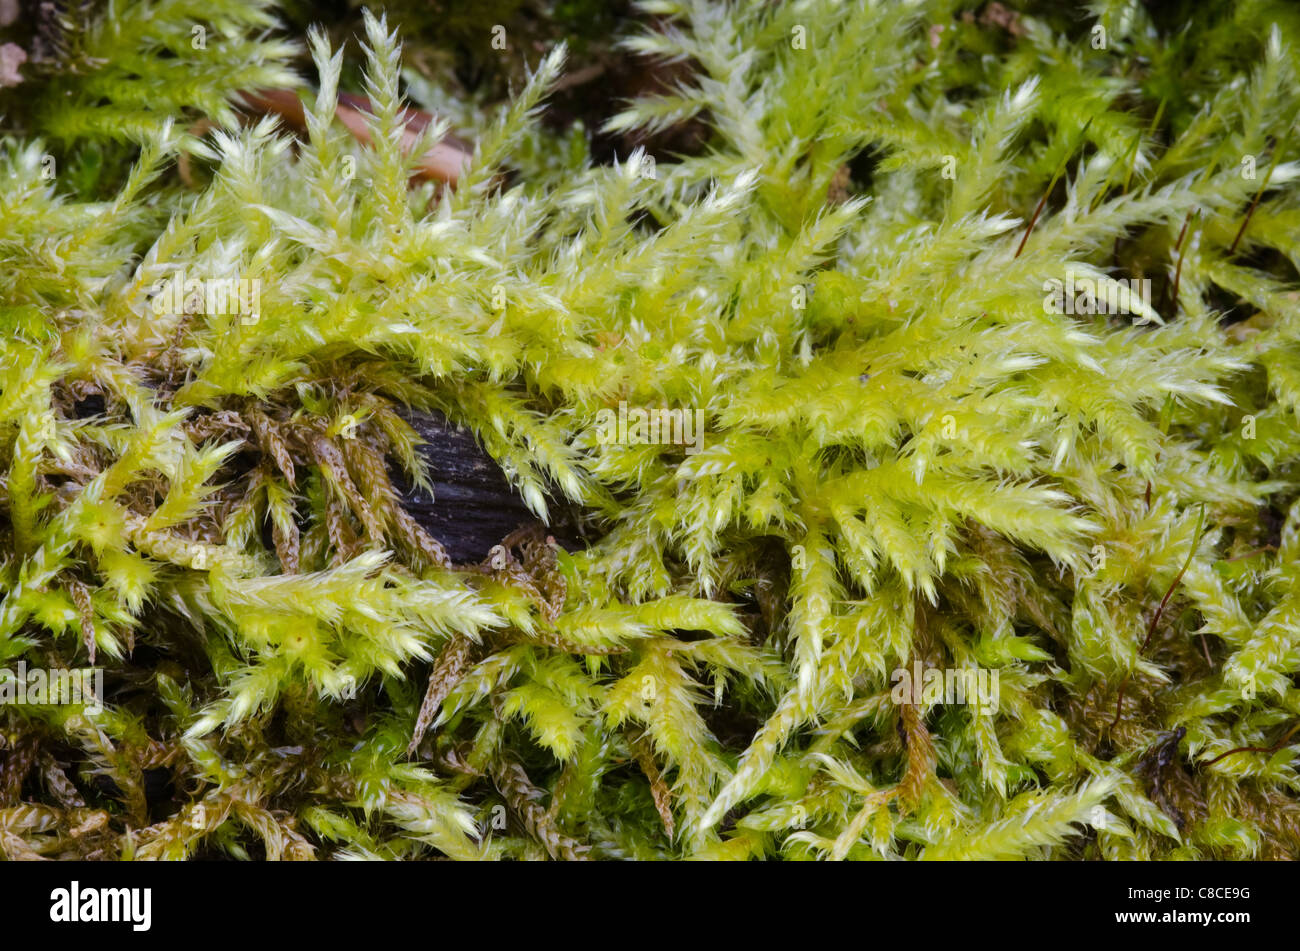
(916, 454)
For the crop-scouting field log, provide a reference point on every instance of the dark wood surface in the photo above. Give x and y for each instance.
(473, 506)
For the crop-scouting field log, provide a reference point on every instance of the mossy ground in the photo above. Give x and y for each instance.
(829, 228)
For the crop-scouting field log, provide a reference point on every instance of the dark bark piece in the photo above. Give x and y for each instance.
(473, 506)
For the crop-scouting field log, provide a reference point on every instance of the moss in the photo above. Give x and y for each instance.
(831, 425)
